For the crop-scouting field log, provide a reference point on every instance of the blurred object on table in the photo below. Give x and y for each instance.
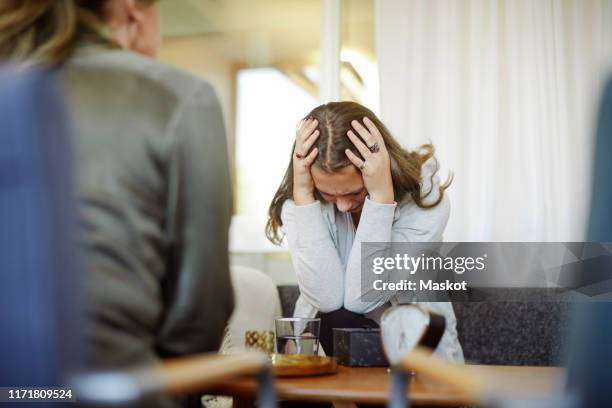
(259, 340)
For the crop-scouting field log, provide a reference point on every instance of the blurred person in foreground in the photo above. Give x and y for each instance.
(151, 164)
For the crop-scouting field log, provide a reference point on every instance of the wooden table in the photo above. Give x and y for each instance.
(371, 386)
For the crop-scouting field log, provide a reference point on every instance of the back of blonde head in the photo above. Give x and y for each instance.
(47, 31)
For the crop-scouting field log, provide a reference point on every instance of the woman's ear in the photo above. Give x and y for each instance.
(144, 26)
(135, 25)
(117, 22)
(135, 20)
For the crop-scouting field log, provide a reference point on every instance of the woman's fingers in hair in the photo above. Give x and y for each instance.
(302, 147)
(364, 133)
(307, 128)
(354, 159)
(373, 130)
(302, 125)
(308, 160)
(363, 149)
(311, 139)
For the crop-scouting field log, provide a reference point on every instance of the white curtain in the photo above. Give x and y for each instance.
(508, 93)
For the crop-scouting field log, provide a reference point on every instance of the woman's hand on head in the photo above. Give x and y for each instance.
(303, 157)
(376, 168)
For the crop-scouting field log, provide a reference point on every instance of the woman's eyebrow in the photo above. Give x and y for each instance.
(345, 194)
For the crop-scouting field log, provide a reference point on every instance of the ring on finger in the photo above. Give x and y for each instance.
(362, 166)
(374, 148)
(298, 156)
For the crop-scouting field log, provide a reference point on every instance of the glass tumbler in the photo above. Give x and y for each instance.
(297, 335)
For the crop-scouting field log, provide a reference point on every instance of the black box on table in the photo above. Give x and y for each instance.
(359, 347)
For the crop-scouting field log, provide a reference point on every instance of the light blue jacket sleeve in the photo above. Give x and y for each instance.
(315, 258)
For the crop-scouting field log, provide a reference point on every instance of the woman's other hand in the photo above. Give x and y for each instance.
(376, 169)
(303, 185)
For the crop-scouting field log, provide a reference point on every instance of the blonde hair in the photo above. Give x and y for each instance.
(46, 31)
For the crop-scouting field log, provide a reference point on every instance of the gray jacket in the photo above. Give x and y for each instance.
(155, 205)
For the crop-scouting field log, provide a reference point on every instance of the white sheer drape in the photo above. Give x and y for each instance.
(507, 91)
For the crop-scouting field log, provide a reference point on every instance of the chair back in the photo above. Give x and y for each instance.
(590, 344)
(39, 311)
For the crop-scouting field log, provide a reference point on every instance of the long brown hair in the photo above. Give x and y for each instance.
(334, 121)
(46, 31)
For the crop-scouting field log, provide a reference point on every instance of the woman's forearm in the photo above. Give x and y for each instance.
(378, 225)
(375, 225)
(315, 258)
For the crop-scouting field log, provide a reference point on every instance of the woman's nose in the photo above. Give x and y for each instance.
(343, 205)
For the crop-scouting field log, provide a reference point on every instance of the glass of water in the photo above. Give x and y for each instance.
(297, 335)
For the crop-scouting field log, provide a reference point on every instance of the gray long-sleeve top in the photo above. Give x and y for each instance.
(326, 253)
(154, 206)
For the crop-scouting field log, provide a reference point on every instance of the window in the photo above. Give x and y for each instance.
(263, 58)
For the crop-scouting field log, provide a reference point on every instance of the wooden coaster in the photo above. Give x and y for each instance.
(297, 365)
